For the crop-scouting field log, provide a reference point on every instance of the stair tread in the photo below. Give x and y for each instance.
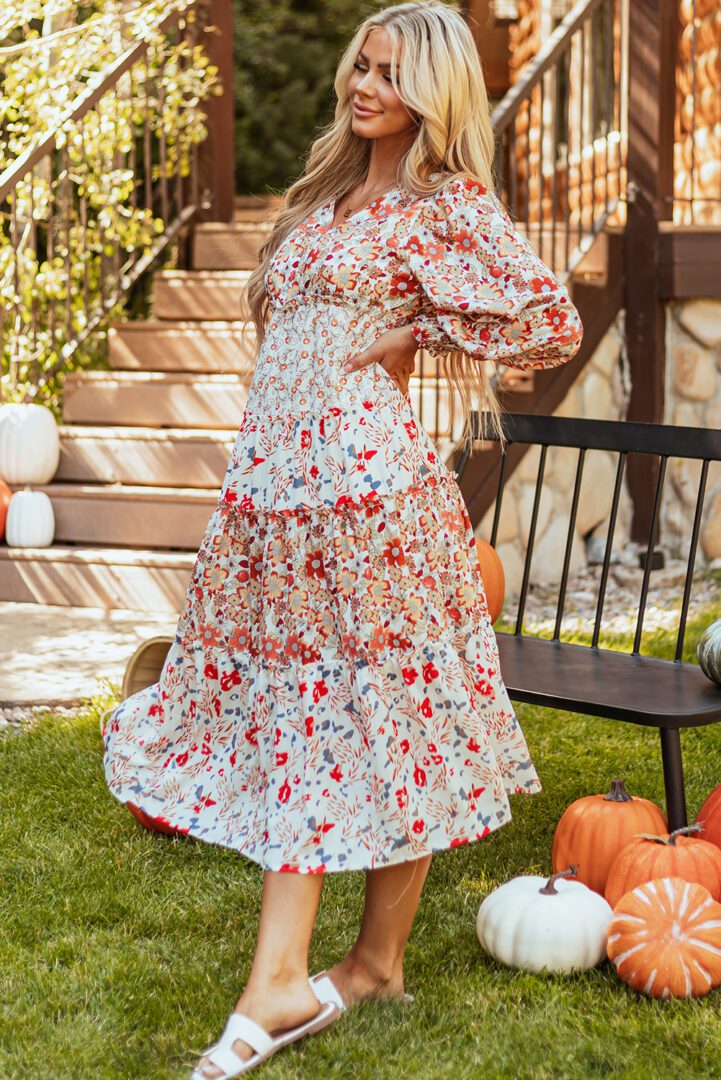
(210, 227)
(132, 376)
(100, 554)
(182, 326)
(125, 491)
(186, 435)
(202, 275)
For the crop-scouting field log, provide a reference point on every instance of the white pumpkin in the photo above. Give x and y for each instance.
(30, 521)
(534, 923)
(29, 444)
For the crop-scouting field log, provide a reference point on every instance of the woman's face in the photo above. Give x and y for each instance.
(377, 109)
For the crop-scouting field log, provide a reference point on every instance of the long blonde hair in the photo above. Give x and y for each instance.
(442, 85)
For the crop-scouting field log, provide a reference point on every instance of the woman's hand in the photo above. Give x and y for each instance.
(395, 351)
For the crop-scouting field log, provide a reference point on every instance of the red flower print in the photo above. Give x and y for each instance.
(314, 566)
(402, 797)
(284, 792)
(473, 746)
(430, 672)
(403, 285)
(393, 553)
(319, 689)
(309, 726)
(336, 773)
(464, 241)
(419, 825)
(426, 708)
(305, 440)
(281, 758)
(210, 671)
(362, 458)
(405, 745)
(182, 759)
(229, 679)
(419, 776)
(543, 285)
(409, 675)
(555, 318)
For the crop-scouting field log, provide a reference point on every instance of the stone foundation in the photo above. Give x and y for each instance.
(601, 392)
(693, 399)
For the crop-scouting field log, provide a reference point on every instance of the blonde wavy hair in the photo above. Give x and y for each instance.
(442, 86)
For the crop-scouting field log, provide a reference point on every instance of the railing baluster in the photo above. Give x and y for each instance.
(541, 140)
(499, 499)
(620, 468)
(693, 546)
(569, 545)
(531, 541)
(649, 555)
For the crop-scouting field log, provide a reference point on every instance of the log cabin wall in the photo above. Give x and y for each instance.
(697, 185)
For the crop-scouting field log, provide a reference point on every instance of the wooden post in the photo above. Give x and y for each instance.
(653, 48)
(217, 154)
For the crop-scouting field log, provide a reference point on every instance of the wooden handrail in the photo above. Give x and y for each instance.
(549, 53)
(83, 104)
(174, 178)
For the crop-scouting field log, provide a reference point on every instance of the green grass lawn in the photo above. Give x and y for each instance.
(122, 952)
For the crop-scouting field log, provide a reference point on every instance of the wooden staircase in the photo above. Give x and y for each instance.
(144, 446)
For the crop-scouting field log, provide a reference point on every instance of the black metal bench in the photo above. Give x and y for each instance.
(665, 694)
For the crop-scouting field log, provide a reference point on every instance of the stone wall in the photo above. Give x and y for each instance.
(693, 399)
(601, 392)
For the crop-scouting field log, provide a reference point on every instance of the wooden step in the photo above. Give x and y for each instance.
(182, 346)
(130, 516)
(551, 244)
(256, 208)
(167, 457)
(154, 399)
(228, 245)
(218, 295)
(104, 577)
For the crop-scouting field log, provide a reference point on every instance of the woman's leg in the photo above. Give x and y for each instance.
(277, 994)
(373, 966)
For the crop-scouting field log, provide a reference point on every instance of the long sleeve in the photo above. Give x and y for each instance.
(485, 292)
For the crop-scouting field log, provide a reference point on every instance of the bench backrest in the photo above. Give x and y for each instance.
(622, 438)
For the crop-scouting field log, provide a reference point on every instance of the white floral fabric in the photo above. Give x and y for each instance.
(332, 699)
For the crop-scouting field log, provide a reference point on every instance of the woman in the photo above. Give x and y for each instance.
(332, 699)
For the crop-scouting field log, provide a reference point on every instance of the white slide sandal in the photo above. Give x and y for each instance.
(239, 1026)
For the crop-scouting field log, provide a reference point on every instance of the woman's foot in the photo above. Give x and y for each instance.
(360, 978)
(276, 1006)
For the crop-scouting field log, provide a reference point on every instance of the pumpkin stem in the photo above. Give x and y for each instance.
(549, 889)
(686, 831)
(617, 792)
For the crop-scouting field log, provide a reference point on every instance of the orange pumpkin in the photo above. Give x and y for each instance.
(593, 830)
(494, 581)
(6, 495)
(709, 817)
(665, 939)
(675, 855)
(155, 824)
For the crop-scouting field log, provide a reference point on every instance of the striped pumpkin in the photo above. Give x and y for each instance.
(665, 939)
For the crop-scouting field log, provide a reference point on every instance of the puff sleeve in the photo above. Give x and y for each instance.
(484, 291)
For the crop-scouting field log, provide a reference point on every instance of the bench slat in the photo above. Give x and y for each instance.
(602, 682)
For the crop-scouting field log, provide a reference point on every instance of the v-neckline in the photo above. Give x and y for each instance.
(328, 210)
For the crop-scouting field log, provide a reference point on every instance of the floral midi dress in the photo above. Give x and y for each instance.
(332, 699)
